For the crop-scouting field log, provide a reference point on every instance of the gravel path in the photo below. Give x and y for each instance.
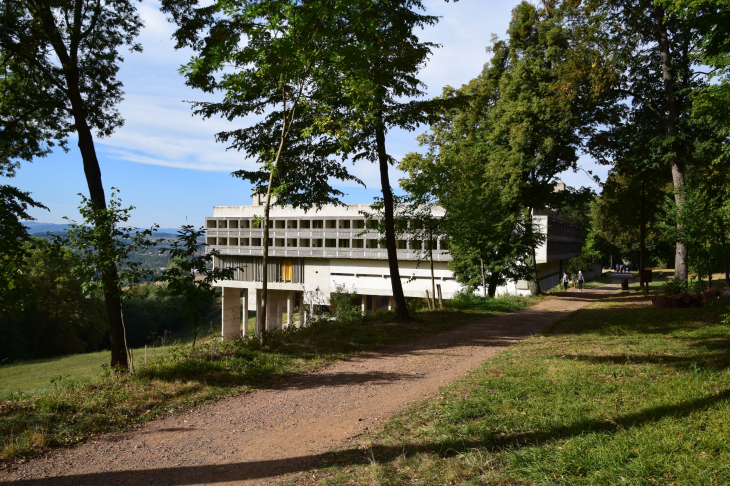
(257, 437)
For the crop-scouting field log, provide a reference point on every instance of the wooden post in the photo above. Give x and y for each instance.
(428, 300)
(441, 303)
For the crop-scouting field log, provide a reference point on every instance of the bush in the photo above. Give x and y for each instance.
(346, 307)
(672, 287)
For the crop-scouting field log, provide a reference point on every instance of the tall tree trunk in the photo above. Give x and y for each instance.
(92, 171)
(493, 279)
(642, 240)
(401, 309)
(484, 276)
(532, 259)
(725, 262)
(433, 278)
(672, 119)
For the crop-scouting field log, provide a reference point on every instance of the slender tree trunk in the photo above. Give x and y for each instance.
(642, 240)
(725, 263)
(401, 309)
(433, 278)
(529, 226)
(484, 276)
(110, 277)
(672, 119)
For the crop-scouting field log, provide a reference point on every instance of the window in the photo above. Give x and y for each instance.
(244, 242)
(357, 243)
(344, 224)
(304, 224)
(401, 244)
(212, 224)
(330, 243)
(414, 244)
(211, 241)
(286, 270)
(233, 224)
(291, 242)
(416, 224)
(245, 224)
(291, 224)
(443, 245)
(255, 241)
(304, 243)
(431, 244)
(234, 241)
(373, 224)
(222, 241)
(359, 224)
(371, 243)
(344, 243)
(317, 224)
(278, 241)
(317, 243)
(222, 223)
(279, 224)
(330, 224)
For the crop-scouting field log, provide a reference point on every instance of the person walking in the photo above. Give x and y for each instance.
(581, 279)
(565, 281)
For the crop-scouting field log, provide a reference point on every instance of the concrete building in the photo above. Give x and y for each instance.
(312, 253)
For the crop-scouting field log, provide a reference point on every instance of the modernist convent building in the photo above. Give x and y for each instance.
(311, 253)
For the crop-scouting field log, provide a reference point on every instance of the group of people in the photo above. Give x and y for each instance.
(622, 268)
(577, 279)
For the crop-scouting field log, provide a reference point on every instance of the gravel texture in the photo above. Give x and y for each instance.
(257, 438)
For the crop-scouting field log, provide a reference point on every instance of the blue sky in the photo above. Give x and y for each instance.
(167, 164)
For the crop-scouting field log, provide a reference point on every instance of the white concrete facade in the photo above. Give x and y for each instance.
(311, 253)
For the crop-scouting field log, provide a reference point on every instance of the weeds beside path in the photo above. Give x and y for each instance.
(290, 426)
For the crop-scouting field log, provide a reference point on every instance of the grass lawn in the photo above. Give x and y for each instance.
(619, 392)
(87, 402)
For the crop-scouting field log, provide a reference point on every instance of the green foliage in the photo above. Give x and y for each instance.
(57, 317)
(345, 303)
(192, 275)
(672, 287)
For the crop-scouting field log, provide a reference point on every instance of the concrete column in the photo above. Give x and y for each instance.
(290, 308)
(390, 303)
(271, 311)
(364, 304)
(375, 303)
(231, 318)
(258, 310)
(244, 313)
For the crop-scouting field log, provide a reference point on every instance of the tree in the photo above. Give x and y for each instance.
(376, 81)
(192, 273)
(270, 59)
(61, 61)
(648, 54)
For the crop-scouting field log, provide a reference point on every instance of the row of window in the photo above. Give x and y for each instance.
(564, 246)
(559, 228)
(306, 224)
(327, 243)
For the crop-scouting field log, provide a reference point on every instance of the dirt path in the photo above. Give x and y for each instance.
(258, 437)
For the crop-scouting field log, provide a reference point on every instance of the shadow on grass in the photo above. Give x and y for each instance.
(252, 470)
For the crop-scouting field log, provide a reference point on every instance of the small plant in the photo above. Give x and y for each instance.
(344, 302)
(672, 287)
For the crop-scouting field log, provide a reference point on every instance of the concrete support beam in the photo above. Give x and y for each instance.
(244, 313)
(290, 308)
(364, 304)
(258, 310)
(231, 309)
(390, 303)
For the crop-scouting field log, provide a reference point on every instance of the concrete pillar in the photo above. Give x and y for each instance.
(375, 303)
(390, 303)
(231, 313)
(364, 304)
(244, 313)
(290, 308)
(271, 311)
(258, 310)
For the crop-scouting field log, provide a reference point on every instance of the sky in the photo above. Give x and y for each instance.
(166, 163)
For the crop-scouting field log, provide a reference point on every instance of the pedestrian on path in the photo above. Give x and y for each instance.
(580, 280)
(565, 281)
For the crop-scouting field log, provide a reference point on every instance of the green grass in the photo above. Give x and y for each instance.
(619, 392)
(86, 402)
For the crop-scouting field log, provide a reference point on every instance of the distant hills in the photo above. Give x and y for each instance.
(35, 227)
